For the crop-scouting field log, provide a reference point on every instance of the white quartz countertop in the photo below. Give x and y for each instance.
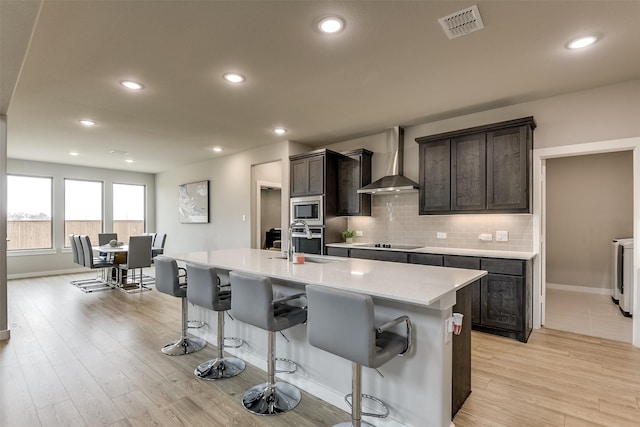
(444, 251)
(408, 283)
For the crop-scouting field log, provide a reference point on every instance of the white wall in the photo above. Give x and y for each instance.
(589, 202)
(230, 198)
(58, 260)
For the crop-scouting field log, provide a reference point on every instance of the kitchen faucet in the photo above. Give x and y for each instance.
(296, 223)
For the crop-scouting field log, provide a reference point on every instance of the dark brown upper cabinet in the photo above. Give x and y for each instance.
(313, 173)
(483, 169)
(354, 172)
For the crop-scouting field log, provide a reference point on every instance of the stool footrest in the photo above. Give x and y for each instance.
(383, 406)
(287, 366)
(195, 324)
(234, 342)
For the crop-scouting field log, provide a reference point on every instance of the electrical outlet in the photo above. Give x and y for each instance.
(502, 236)
(485, 237)
(359, 233)
(441, 235)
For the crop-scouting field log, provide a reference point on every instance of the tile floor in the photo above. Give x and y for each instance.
(587, 314)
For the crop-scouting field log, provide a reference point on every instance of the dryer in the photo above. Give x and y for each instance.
(625, 286)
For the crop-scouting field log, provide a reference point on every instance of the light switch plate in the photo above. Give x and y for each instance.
(485, 237)
(441, 235)
(359, 233)
(502, 236)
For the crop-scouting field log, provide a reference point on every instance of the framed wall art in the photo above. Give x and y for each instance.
(193, 202)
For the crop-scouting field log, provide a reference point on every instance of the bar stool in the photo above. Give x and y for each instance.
(204, 290)
(342, 323)
(253, 303)
(171, 282)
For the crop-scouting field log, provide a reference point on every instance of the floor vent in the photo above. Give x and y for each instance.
(462, 22)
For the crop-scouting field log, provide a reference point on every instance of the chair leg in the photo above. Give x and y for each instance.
(186, 344)
(273, 397)
(356, 401)
(221, 367)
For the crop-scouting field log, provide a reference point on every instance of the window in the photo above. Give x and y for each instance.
(128, 210)
(82, 209)
(29, 223)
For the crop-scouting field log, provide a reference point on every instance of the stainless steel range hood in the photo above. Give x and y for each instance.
(393, 182)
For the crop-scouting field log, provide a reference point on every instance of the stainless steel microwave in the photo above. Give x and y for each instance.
(309, 209)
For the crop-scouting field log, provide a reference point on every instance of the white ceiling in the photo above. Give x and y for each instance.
(392, 65)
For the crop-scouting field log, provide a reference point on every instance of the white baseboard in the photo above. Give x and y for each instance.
(46, 273)
(584, 289)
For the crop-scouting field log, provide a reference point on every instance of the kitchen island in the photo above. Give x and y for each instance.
(417, 386)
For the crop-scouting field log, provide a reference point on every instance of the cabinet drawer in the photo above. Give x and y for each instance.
(379, 255)
(503, 266)
(471, 263)
(343, 252)
(426, 259)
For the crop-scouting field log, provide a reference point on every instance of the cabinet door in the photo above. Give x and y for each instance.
(299, 177)
(468, 173)
(316, 175)
(502, 301)
(435, 177)
(507, 169)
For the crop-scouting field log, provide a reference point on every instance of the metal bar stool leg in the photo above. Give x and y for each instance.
(271, 398)
(221, 367)
(185, 344)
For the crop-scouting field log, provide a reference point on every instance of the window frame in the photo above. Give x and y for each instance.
(51, 220)
(64, 206)
(144, 204)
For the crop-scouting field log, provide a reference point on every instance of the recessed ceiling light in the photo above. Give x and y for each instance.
(234, 77)
(331, 25)
(582, 42)
(74, 153)
(129, 160)
(280, 131)
(131, 85)
(216, 149)
(87, 122)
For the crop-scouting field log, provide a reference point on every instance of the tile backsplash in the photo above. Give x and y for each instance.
(394, 219)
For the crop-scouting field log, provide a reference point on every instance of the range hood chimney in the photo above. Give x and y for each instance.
(393, 182)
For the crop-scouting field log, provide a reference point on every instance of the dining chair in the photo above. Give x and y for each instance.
(85, 252)
(158, 244)
(138, 257)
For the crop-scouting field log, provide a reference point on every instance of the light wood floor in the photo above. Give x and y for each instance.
(78, 359)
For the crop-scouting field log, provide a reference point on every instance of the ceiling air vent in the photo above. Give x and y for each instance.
(462, 22)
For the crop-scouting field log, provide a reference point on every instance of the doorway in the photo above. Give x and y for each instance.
(268, 215)
(266, 201)
(589, 202)
(540, 156)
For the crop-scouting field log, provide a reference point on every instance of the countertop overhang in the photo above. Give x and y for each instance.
(444, 251)
(407, 283)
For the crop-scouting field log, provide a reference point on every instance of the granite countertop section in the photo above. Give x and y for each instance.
(444, 251)
(407, 283)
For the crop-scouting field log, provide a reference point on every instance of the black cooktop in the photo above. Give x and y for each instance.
(389, 246)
